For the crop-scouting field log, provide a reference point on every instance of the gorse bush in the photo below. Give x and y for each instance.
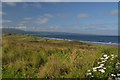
(25, 56)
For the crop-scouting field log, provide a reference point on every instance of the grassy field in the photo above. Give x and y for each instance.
(25, 56)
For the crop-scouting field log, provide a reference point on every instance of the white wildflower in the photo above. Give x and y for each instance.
(112, 55)
(112, 74)
(105, 55)
(117, 63)
(92, 76)
(118, 74)
(106, 58)
(103, 71)
(103, 61)
(101, 64)
(111, 59)
(104, 68)
(101, 58)
(109, 78)
(94, 70)
(89, 73)
(88, 70)
(98, 67)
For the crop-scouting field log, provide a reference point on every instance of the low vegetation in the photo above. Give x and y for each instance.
(26, 56)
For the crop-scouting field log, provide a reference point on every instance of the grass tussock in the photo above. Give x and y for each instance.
(25, 56)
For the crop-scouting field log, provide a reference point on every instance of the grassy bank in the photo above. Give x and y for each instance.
(25, 56)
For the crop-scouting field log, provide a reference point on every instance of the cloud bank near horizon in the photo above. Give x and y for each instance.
(60, 0)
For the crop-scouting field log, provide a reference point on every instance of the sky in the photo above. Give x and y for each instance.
(100, 18)
(60, 0)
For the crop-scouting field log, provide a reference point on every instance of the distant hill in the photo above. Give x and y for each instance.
(18, 31)
(10, 30)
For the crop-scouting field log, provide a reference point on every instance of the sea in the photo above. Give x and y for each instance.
(96, 39)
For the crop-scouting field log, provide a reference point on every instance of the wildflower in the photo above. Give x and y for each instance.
(117, 67)
(117, 63)
(102, 70)
(89, 74)
(112, 55)
(94, 70)
(112, 74)
(103, 61)
(98, 67)
(118, 74)
(106, 58)
(109, 78)
(111, 59)
(101, 58)
(92, 76)
(105, 55)
(88, 70)
(101, 64)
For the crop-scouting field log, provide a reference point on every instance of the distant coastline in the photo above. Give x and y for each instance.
(92, 39)
(89, 42)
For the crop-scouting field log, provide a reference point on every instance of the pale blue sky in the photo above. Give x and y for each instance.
(75, 17)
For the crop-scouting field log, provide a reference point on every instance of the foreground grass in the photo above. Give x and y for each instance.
(26, 56)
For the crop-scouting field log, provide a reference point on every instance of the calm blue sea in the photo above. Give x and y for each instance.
(97, 39)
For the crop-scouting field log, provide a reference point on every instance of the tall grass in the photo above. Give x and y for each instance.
(26, 56)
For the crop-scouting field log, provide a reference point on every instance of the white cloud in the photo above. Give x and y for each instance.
(18, 27)
(48, 15)
(2, 13)
(37, 5)
(82, 16)
(27, 18)
(112, 13)
(41, 20)
(11, 3)
(96, 24)
(22, 22)
(6, 21)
